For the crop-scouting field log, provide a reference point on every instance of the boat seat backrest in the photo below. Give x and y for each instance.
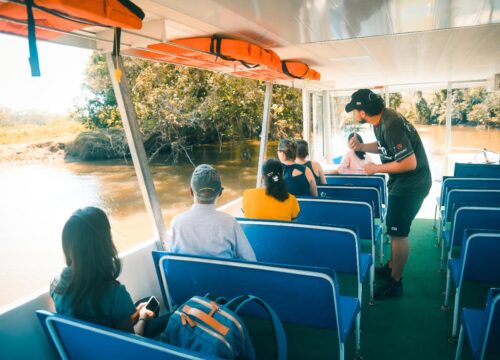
(337, 213)
(481, 258)
(450, 183)
(472, 217)
(304, 296)
(369, 181)
(477, 170)
(465, 197)
(75, 339)
(303, 245)
(492, 332)
(370, 195)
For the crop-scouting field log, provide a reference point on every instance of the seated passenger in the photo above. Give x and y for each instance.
(302, 154)
(353, 161)
(203, 230)
(299, 179)
(87, 288)
(272, 202)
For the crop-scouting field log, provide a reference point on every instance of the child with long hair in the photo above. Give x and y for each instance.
(272, 202)
(354, 161)
(88, 288)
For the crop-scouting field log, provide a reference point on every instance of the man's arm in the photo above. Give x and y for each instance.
(394, 167)
(369, 147)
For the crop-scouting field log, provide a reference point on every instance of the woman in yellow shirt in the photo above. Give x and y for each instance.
(272, 202)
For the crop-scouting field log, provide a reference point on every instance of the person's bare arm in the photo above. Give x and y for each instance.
(321, 173)
(394, 167)
(313, 190)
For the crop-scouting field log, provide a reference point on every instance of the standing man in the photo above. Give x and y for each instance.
(403, 158)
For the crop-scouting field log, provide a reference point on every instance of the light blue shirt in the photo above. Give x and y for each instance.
(204, 231)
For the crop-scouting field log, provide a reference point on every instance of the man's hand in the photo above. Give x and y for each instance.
(354, 144)
(370, 169)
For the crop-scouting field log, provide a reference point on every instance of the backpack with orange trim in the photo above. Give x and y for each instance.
(213, 328)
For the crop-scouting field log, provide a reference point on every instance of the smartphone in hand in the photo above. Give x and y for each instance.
(153, 304)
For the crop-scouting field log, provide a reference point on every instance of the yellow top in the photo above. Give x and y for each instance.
(258, 205)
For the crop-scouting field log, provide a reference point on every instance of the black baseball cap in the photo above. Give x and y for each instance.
(363, 99)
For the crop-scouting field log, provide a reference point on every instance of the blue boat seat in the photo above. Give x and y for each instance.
(459, 183)
(477, 170)
(479, 261)
(366, 180)
(468, 217)
(305, 296)
(309, 245)
(370, 195)
(81, 340)
(482, 328)
(341, 213)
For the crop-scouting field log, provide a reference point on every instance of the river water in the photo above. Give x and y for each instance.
(36, 199)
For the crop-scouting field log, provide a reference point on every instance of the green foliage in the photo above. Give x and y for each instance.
(177, 106)
(395, 100)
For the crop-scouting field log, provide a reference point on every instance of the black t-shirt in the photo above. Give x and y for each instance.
(396, 140)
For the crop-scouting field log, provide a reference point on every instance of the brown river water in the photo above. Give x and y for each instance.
(36, 199)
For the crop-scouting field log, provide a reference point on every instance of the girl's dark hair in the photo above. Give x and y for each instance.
(289, 148)
(302, 149)
(273, 179)
(89, 250)
(359, 154)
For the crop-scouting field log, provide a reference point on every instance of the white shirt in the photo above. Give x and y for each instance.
(204, 231)
(352, 164)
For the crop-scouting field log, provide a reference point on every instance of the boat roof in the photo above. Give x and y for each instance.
(353, 44)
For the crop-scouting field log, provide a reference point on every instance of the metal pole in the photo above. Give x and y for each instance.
(265, 130)
(306, 115)
(135, 143)
(327, 127)
(386, 94)
(315, 146)
(447, 139)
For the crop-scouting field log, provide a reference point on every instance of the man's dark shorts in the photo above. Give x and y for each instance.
(401, 211)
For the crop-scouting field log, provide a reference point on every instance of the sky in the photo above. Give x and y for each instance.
(55, 91)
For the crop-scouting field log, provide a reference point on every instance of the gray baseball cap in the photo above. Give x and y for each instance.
(205, 182)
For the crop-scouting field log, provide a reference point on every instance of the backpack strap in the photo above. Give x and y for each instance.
(239, 302)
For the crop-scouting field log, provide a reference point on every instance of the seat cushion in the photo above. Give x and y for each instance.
(455, 266)
(365, 261)
(473, 322)
(348, 308)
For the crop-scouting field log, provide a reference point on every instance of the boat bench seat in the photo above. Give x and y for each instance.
(75, 339)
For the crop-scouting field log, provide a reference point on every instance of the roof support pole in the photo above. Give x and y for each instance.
(327, 127)
(135, 143)
(447, 139)
(306, 115)
(264, 134)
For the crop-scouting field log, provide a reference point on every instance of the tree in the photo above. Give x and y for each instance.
(395, 100)
(422, 111)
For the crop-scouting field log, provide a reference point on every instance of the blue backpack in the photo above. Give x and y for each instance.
(212, 328)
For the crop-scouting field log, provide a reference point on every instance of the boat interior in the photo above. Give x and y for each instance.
(327, 48)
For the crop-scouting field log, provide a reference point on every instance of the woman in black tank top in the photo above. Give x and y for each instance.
(302, 154)
(298, 178)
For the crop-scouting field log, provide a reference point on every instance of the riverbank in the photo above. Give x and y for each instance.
(44, 151)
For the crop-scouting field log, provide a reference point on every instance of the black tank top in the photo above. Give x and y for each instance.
(296, 185)
(316, 177)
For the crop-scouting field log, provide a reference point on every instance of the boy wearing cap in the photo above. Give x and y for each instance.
(403, 157)
(203, 230)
